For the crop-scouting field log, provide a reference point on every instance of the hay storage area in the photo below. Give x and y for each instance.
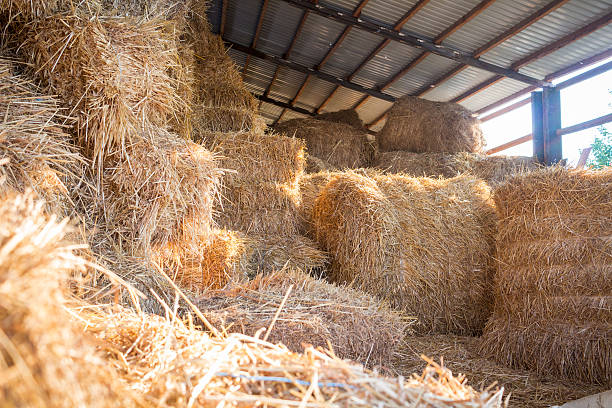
(493, 169)
(356, 325)
(424, 244)
(418, 125)
(339, 144)
(554, 278)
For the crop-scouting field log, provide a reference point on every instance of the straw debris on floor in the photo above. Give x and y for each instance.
(418, 125)
(424, 244)
(525, 389)
(339, 144)
(494, 169)
(553, 285)
(356, 325)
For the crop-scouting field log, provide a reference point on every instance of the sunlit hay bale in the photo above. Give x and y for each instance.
(348, 116)
(260, 207)
(273, 253)
(227, 119)
(315, 165)
(32, 9)
(34, 147)
(494, 169)
(158, 357)
(424, 244)
(46, 361)
(553, 287)
(148, 9)
(339, 144)
(418, 125)
(218, 261)
(117, 75)
(163, 193)
(358, 326)
(256, 156)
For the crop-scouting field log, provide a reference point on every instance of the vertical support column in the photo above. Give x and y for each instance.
(537, 129)
(551, 102)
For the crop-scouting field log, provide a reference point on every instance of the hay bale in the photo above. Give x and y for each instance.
(248, 371)
(117, 75)
(227, 119)
(46, 360)
(34, 147)
(339, 144)
(261, 192)
(273, 253)
(494, 169)
(219, 260)
(423, 244)
(348, 116)
(164, 192)
(315, 165)
(418, 125)
(357, 325)
(553, 309)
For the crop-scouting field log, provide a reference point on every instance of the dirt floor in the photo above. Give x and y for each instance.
(459, 354)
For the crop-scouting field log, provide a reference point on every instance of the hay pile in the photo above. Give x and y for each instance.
(418, 125)
(45, 361)
(34, 147)
(173, 365)
(523, 388)
(339, 144)
(554, 280)
(494, 169)
(357, 326)
(423, 244)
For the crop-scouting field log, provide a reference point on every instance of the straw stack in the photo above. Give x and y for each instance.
(46, 361)
(419, 125)
(357, 326)
(494, 169)
(339, 144)
(423, 244)
(348, 116)
(553, 287)
(34, 147)
(159, 357)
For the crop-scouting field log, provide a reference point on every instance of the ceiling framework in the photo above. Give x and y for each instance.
(503, 76)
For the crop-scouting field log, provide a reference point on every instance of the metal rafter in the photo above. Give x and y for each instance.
(412, 40)
(328, 55)
(262, 14)
(470, 15)
(398, 26)
(542, 52)
(224, 4)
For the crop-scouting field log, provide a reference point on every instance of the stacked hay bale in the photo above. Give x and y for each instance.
(337, 144)
(494, 169)
(418, 125)
(424, 244)
(553, 286)
(348, 116)
(34, 148)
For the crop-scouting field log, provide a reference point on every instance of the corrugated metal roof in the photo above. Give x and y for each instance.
(319, 34)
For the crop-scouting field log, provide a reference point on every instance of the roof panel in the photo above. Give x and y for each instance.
(438, 15)
(315, 93)
(344, 98)
(278, 27)
(387, 11)
(317, 36)
(385, 64)
(269, 112)
(494, 93)
(372, 109)
(356, 45)
(259, 74)
(287, 84)
(563, 21)
(433, 66)
(458, 84)
(241, 20)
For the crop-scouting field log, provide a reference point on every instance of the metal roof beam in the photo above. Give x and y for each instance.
(398, 26)
(412, 40)
(284, 105)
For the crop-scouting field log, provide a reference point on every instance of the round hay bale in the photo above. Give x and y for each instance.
(553, 307)
(339, 144)
(315, 165)
(424, 244)
(274, 253)
(358, 326)
(494, 169)
(418, 125)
